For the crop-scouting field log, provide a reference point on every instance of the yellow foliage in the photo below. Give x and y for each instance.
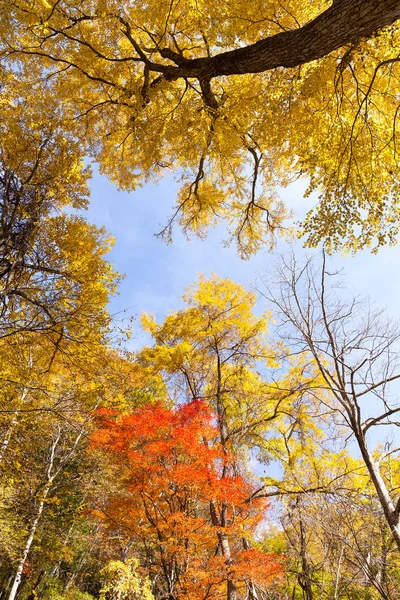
(105, 80)
(123, 582)
(215, 348)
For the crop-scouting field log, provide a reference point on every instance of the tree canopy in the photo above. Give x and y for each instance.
(235, 455)
(235, 98)
(157, 473)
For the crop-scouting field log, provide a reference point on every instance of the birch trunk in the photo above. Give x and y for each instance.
(51, 475)
(337, 578)
(47, 488)
(21, 565)
(11, 427)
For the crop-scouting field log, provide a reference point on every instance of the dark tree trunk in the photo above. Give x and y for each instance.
(33, 594)
(344, 22)
(304, 577)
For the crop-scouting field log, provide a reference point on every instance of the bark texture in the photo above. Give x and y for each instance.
(344, 22)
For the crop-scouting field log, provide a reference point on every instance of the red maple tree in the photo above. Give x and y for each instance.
(179, 504)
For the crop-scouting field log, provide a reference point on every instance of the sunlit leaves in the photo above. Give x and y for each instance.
(171, 472)
(234, 144)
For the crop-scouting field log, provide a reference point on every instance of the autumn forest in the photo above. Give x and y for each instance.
(248, 449)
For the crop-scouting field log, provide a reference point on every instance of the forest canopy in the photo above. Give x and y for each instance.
(248, 448)
(237, 99)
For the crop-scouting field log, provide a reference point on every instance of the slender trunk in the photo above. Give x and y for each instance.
(7, 437)
(4, 592)
(51, 475)
(391, 513)
(304, 576)
(226, 551)
(11, 427)
(220, 520)
(56, 569)
(46, 489)
(381, 576)
(337, 578)
(33, 594)
(78, 569)
(252, 592)
(21, 565)
(231, 590)
(126, 548)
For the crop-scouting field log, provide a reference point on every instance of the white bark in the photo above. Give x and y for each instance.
(11, 427)
(49, 482)
(387, 504)
(337, 579)
(50, 477)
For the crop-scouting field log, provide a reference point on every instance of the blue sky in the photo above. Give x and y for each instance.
(156, 274)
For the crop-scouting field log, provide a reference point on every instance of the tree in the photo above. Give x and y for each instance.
(123, 582)
(356, 352)
(54, 278)
(237, 98)
(338, 542)
(173, 493)
(52, 471)
(48, 478)
(215, 350)
(59, 284)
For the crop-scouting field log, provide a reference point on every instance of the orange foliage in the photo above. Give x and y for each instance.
(171, 471)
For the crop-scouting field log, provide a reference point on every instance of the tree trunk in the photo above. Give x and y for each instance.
(391, 513)
(46, 489)
(226, 551)
(344, 22)
(7, 437)
(304, 576)
(4, 592)
(33, 594)
(21, 565)
(252, 591)
(51, 476)
(11, 427)
(337, 578)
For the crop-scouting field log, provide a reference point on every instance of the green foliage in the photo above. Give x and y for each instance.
(54, 591)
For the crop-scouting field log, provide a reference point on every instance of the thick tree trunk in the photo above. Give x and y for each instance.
(344, 22)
